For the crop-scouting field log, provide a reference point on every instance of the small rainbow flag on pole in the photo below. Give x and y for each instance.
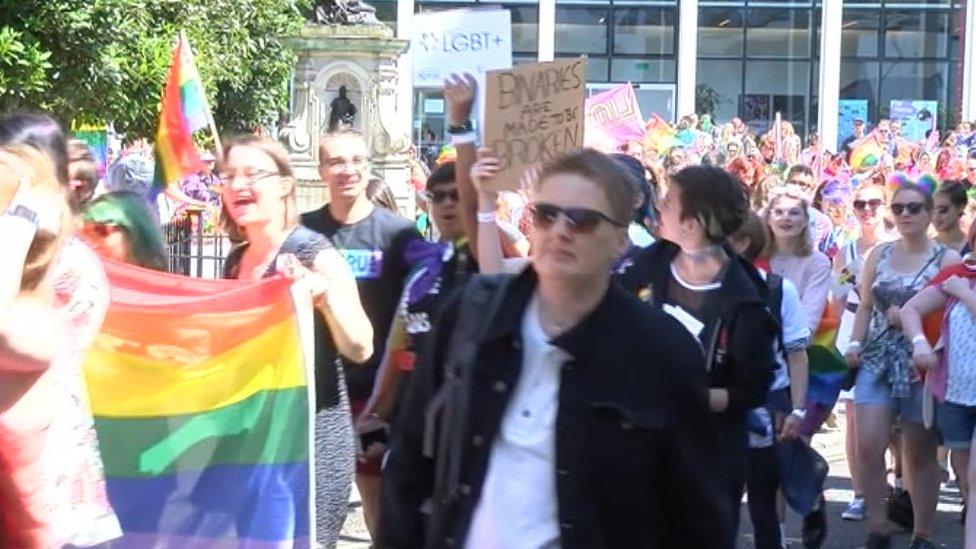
(660, 135)
(827, 368)
(867, 152)
(184, 111)
(201, 395)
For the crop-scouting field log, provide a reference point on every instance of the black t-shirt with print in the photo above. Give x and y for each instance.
(374, 249)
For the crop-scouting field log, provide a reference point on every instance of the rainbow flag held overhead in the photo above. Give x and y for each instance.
(660, 135)
(827, 368)
(866, 152)
(201, 392)
(184, 111)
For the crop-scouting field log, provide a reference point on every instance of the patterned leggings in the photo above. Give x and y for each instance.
(335, 465)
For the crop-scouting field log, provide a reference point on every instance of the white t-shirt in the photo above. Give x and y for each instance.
(795, 328)
(518, 506)
(961, 347)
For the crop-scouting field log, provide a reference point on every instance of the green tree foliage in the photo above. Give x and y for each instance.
(106, 60)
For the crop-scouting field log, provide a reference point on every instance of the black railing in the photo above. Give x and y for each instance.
(193, 251)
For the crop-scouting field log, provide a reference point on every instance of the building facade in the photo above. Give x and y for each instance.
(806, 59)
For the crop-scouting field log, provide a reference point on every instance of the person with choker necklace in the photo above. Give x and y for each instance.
(720, 298)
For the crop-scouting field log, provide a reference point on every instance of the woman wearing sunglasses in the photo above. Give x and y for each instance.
(868, 206)
(259, 201)
(950, 203)
(118, 226)
(887, 385)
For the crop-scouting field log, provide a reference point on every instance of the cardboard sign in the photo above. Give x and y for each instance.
(533, 113)
(615, 115)
(459, 41)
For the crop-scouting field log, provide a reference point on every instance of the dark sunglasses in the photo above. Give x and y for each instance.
(101, 230)
(440, 196)
(942, 210)
(580, 220)
(913, 208)
(875, 203)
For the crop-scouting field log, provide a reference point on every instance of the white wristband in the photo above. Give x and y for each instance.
(855, 344)
(486, 217)
(463, 138)
(799, 413)
(920, 338)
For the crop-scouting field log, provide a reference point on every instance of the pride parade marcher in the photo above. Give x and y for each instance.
(887, 386)
(118, 226)
(719, 298)
(259, 199)
(544, 410)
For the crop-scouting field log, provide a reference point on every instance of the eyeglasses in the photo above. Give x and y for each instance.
(580, 220)
(250, 178)
(440, 196)
(913, 208)
(874, 204)
(101, 230)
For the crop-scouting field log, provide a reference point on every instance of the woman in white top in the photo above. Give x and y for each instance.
(868, 205)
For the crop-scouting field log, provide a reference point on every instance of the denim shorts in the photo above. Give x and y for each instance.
(957, 425)
(872, 388)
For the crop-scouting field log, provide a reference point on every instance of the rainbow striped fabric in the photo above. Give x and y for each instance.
(184, 111)
(201, 395)
(827, 368)
(660, 135)
(866, 153)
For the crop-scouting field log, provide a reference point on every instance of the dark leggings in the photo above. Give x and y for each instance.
(762, 484)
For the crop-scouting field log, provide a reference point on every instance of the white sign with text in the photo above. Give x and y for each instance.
(458, 41)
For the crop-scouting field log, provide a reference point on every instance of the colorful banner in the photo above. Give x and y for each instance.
(614, 115)
(96, 136)
(660, 135)
(916, 117)
(201, 395)
(867, 152)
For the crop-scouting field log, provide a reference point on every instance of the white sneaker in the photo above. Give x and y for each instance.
(856, 510)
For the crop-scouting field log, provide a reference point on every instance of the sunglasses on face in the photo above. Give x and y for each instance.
(874, 203)
(913, 208)
(942, 210)
(440, 196)
(580, 220)
(101, 230)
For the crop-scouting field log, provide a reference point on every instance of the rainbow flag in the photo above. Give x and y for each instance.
(866, 152)
(660, 135)
(201, 395)
(184, 111)
(827, 368)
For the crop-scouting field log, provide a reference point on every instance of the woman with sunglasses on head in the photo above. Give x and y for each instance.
(887, 385)
(868, 206)
(258, 197)
(949, 205)
(118, 226)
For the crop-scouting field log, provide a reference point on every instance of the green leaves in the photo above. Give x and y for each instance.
(107, 59)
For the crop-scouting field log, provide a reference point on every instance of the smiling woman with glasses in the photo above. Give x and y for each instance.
(887, 385)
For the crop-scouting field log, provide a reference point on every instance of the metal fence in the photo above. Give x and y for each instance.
(191, 250)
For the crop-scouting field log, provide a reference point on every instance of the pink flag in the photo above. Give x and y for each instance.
(613, 114)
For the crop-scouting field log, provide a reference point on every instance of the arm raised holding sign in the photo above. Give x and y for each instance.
(460, 92)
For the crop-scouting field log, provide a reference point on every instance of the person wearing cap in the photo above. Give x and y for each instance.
(858, 134)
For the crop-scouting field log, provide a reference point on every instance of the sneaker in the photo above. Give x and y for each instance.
(815, 526)
(921, 543)
(857, 510)
(877, 541)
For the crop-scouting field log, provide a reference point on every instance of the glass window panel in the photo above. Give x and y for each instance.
(914, 80)
(386, 12)
(721, 82)
(720, 32)
(780, 33)
(597, 68)
(957, 34)
(644, 30)
(772, 86)
(860, 80)
(642, 70)
(911, 33)
(860, 32)
(525, 28)
(581, 30)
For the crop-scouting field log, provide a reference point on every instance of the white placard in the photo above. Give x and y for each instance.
(458, 41)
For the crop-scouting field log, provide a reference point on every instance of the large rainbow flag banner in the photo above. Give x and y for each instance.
(660, 135)
(183, 111)
(201, 395)
(866, 152)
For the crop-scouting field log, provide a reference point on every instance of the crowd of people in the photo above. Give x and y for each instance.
(610, 356)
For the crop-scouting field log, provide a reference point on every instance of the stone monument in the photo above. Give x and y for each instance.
(346, 76)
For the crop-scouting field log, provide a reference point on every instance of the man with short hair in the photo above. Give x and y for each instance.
(845, 147)
(373, 241)
(820, 225)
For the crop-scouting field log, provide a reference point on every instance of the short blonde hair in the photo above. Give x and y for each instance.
(25, 165)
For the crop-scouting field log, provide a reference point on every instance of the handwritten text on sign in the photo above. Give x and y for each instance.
(614, 115)
(533, 113)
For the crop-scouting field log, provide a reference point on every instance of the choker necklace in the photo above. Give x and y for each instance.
(702, 253)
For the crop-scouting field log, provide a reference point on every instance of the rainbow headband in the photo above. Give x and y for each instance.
(927, 182)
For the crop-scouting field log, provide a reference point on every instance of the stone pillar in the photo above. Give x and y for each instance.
(832, 17)
(687, 57)
(364, 59)
(547, 30)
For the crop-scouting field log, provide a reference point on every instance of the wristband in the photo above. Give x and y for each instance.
(463, 138)
(855, 344)
(486, 217)
(462, 128)
(920, 338)
(799, 413)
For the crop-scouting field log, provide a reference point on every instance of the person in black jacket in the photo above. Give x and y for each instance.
(552, 408)
(694, 276)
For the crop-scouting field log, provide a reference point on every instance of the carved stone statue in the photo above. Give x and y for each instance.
(344, 12)
(342, 112)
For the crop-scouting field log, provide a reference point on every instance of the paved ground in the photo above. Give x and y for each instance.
(842, 534)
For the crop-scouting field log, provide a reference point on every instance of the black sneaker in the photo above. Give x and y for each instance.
(877, 541)
(921, 543)
(815, 526)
